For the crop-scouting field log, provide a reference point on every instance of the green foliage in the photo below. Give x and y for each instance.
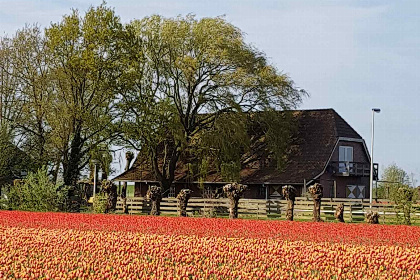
(70, 70)
(35, 193)
(100, 202)
(70, 198)
(397, 187)
(12, 159)
(381, 192)
(202, 172)
(403, 198)
(29, 65)
(230, 171)
(176, 87)
(190, 86)
(86, 59)
(100, 154)
(278, 127)
(63, 198)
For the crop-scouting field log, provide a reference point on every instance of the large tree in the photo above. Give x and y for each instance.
(392, 178)
(184, 75)
(29, 67)
(10, 98)
(86, 61)
(21, 83)
(397, 185)
(58, 88)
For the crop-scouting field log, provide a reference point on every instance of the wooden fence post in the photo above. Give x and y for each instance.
(141, 205)
(383, 214)
(258, 210)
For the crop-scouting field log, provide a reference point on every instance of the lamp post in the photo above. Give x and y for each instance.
(374, 110)
(95, 162)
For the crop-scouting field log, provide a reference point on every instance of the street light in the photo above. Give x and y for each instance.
(374, 110)
(95, 162)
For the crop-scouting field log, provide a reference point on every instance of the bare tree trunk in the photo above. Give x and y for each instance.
(372, 217)
(71, 167)
(289, 192)
(183, 197)
(56, 170)
(155, 211)
(129, 156)
(316, 192)
(290, 209)
(154, 193)
(104, 176)
(165, 173)
(339, 213)
(234, 192)
(233, 209)
(317, 210)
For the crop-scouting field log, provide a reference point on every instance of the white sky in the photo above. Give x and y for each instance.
(349, 55)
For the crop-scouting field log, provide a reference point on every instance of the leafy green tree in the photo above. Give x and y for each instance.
(397, 185)
(403, 196)
(10, 99)
(12, 159)
(85, 54)
(102, 156)
(185, 75)
(29, 67)
(392, 178)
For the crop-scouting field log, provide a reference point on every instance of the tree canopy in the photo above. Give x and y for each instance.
(187, 73)
(62, 81)
(169, 87)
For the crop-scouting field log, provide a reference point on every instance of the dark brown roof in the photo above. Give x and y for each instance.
(317, 133)
(312, 145)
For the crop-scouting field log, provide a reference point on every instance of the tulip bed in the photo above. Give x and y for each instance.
(86, 246)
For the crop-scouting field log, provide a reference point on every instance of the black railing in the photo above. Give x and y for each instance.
(348, 168)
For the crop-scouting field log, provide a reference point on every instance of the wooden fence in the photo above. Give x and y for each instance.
(354, 209)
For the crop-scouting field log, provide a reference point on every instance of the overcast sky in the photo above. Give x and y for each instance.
(349, 55)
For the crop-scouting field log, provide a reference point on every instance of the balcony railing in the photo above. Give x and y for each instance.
(346, 168)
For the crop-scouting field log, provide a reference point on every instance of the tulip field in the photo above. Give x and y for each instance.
(87, 246)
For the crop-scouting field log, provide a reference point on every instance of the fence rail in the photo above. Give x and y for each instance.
(354, 209)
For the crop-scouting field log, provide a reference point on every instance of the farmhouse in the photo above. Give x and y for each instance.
(324, 149)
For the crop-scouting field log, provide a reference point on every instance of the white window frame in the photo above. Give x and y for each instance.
(345, 162)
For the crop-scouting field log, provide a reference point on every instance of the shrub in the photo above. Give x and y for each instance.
(403, 196)
(4, 200)
(35, 193)
(66, 199)
(100, 202)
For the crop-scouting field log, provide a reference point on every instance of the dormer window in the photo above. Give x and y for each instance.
(345, 158)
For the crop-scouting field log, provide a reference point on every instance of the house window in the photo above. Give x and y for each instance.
(345, 158)
(355, 191)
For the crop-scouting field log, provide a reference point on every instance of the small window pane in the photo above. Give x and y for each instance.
(349, 153)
